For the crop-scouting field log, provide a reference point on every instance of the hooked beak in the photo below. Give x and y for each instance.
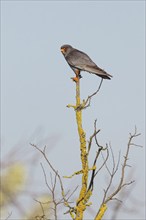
(62, 50)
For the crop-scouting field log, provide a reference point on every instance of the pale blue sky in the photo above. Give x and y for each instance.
(35, 78)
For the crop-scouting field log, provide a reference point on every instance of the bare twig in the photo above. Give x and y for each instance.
(47, 184)
(93, 135)
(55, 172)
(9, 215)
(121, 183)
(52, 190)
(88, 100)
(100, 148)
(112, 173)
(43, 212)
(53, 185)
(72, 192)
(104, 162)
(91, 184)
(86, 103)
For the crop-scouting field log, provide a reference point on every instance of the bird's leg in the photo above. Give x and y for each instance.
(77, 77)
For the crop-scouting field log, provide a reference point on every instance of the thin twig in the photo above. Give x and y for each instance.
(9, 215)
(105, 160)
(46, 178)
(88, 100)
(121, 183)
(93, 135)
(73, 192)
(65, 201)
(44, 155)
(91, 184)
(112, 173)
(43, 212)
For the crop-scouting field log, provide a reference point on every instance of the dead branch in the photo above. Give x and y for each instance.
(112, 173)
(40, 203)
(104, 162)
(51, 188)
(88, 100)
(9, 215)
(52, 168)
(93, 135)
(115, 168)
(100, 148)
(91, 184)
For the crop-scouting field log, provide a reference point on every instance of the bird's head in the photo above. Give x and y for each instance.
(66, 49)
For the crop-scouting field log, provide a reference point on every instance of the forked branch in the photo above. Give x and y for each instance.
(122, 182)
(52, 188)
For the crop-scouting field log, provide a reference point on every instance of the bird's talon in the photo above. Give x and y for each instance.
(75, 79)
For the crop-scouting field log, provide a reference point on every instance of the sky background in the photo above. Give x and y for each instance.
(36, 84)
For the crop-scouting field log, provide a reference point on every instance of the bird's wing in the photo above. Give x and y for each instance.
(79, 59)
(97, 71)
(82, 61)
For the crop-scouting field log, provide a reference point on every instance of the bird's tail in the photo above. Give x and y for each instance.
(98, 71)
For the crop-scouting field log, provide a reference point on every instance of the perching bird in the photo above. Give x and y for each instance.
(79, 61)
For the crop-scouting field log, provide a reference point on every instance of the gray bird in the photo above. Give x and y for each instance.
(79, 61)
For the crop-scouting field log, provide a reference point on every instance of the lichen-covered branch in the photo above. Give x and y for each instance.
(86, 188)
(81, 201)
(101, 212)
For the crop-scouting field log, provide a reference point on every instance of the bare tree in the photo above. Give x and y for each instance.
(75, 201)
(82, 202)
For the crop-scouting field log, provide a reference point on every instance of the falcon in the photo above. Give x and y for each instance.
(80, 61)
